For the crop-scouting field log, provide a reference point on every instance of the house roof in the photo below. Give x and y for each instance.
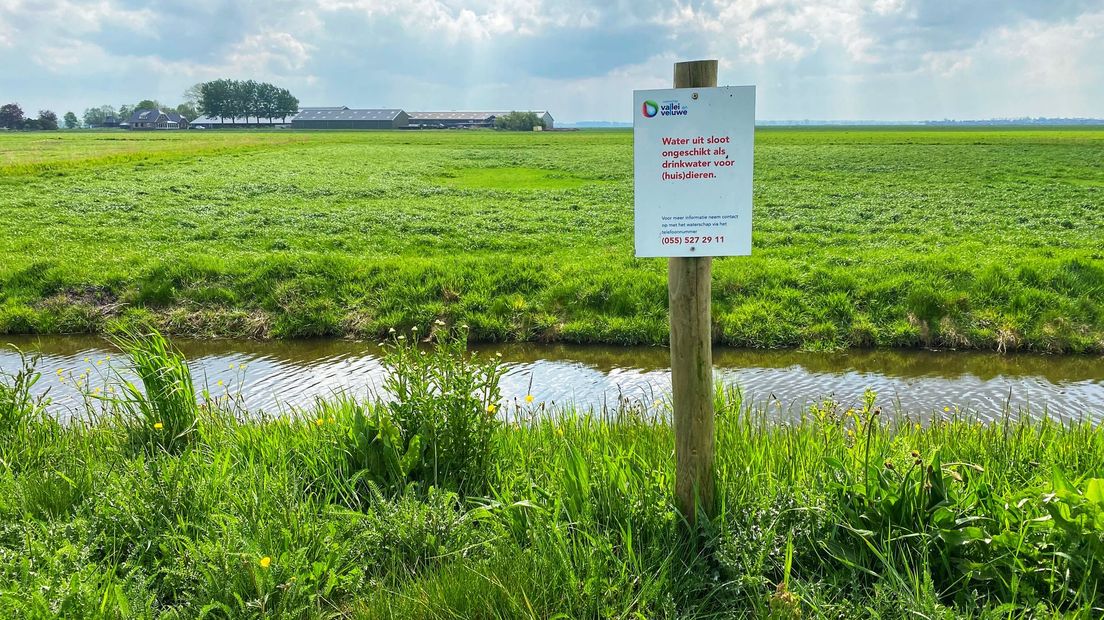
(347, 114)
(146, 115)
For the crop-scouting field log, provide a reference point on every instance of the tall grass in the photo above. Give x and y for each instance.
(330, 512)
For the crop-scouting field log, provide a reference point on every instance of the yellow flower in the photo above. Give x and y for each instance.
(917, 426)
(220, 382)
(158, 426)
(559, 432)
(96, 391)
(528, 398)
(946, 410)
(490, 408)
(333, 421)
(265, 562)
(99, 363)
(318, 422)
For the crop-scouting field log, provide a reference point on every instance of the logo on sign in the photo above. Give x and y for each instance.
(673, 108)
(649, 109)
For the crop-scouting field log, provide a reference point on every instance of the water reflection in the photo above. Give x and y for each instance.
(278, 374)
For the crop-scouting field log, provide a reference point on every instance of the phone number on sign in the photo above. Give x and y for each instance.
(691, 240)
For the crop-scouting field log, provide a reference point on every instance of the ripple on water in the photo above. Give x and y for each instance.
(276, 375)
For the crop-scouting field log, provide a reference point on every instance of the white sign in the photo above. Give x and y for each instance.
(692, 152)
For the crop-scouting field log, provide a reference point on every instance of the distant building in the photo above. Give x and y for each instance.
(146, 119)
(450, 120)
(207, 122)
(347, 118)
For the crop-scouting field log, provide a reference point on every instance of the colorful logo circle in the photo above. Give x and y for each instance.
(649, 109)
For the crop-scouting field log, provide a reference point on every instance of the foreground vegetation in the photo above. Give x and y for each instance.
(440, 501)
(985, 238)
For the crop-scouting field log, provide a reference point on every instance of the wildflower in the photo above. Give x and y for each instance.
(220, 382)
(498, 354)
(318, 422)
(241, 366)
(657, 403)
(850, 433)
(559, 432)
(917, 426)
(108, 358)
(59, 372)
(528, 398)
(402, 337)
(464, 326)
(87, 360)
(333, 421)
(96, 391)
(158, 426)
(439, 322)
(391, 331)
(946, 410)
(265, 562)
(414, 329)
(99, 362)
(490, 408)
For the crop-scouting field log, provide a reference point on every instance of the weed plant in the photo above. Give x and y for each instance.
(379, 509)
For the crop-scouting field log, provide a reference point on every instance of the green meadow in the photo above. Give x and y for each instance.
(967, 238)
(441, 501)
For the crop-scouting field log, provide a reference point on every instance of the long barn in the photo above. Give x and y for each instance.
(468, 119)
(347, 118)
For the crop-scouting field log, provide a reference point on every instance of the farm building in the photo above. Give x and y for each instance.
(146, 119)
(467, 119)
(346, 118)
(206, 122)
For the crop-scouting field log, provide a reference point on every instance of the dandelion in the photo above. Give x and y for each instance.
(265, 562)
(528, 398)
(158, 426)
(490, 408)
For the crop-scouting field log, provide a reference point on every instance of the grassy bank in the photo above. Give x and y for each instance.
(443, 502)
(979, 238)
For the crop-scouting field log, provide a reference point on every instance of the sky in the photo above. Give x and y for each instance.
(580, 59)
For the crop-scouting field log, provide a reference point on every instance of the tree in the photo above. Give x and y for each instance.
(47, 120)
(11, 116)
(149, 104)
(188, 111)
(124, 112)
(518, 121)
(95, 117)
(235, 99)
(71, 121)
(194, 94)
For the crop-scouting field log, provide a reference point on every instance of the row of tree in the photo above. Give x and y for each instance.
(100, 116)
(247, 99)
(11, 117)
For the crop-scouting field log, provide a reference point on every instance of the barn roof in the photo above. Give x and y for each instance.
(346, 114)
(241, 120)
(464, 116)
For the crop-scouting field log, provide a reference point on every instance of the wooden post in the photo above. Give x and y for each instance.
(689, 290)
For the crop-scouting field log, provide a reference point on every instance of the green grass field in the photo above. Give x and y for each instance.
(437, 503)
(863, 237)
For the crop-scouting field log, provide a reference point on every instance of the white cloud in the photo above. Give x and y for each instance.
(812, 58)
